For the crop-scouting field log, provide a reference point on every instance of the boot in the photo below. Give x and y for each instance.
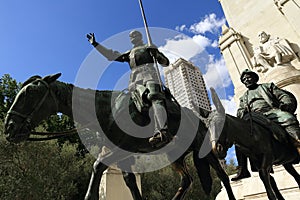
(294, 133)
(242, 168)
(161, 135)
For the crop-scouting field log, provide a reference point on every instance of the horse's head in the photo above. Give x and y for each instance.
(31, 105)
(216, 123)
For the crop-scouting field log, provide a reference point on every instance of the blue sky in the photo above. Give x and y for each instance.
(46, 37)
(43, 37)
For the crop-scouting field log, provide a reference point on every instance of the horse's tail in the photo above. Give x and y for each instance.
(203, 170)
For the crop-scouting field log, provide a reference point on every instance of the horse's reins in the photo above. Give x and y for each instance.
(250, 115)
(56, 135)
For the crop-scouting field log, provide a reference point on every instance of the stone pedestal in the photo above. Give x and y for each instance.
(253, 188)
(113, 186)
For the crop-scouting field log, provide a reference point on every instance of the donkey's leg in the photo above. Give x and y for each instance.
(98, 168)
(292, 171)
(265, 177)
(130, 178)
(186, 180)
(275, 188)
(214, 162)
(203, 171)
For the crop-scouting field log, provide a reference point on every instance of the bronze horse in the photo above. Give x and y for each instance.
(41, 97)
(256, 142)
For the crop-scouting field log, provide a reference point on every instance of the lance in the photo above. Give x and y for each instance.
(150, 42)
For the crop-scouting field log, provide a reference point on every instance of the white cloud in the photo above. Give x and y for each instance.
(184, 46)
(217, 75)
(210, 23)
(229, 105)
(202, 41)
(171, 55)
(215, 44)
(180, 28)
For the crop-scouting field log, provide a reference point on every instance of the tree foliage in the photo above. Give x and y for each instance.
(8, 90)
(42, 170)
(164, 183)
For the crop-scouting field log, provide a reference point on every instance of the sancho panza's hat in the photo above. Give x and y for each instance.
(251, 73)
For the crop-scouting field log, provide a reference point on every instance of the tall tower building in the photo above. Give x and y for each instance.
(186, 83)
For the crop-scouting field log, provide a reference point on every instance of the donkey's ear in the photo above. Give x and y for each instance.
(51, 78)
(220, 108)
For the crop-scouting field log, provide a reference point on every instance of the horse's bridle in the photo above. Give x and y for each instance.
(28, 117)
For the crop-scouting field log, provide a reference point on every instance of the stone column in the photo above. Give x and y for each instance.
(236, 57)
(290, 9)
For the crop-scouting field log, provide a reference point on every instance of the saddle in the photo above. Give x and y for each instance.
(276, 130)
(135, 104)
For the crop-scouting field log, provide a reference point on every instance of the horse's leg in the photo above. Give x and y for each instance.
(214, 162)
(130, 178)
(98, 168)
(93, 188)
(130, 181)
(291, 170)
(186, 180)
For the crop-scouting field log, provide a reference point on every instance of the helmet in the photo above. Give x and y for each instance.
(135, 33)
(251, 73)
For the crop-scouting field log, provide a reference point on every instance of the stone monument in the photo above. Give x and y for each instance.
(241, 43)
(263, 36)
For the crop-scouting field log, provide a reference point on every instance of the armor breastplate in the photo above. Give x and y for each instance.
(139, 56)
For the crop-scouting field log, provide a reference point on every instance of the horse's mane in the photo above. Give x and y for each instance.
(30, 80)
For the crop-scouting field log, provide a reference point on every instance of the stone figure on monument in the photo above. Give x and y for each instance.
(271, 52)
(275, 104)
(143, 78)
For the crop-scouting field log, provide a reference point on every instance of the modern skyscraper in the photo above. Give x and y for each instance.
(186, 83)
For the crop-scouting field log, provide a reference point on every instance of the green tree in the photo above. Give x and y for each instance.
(8, 90)
(60, 123)
(163, 184)
(42, 170)
(231, 167)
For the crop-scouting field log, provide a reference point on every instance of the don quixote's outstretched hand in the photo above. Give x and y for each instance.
(91, 38)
